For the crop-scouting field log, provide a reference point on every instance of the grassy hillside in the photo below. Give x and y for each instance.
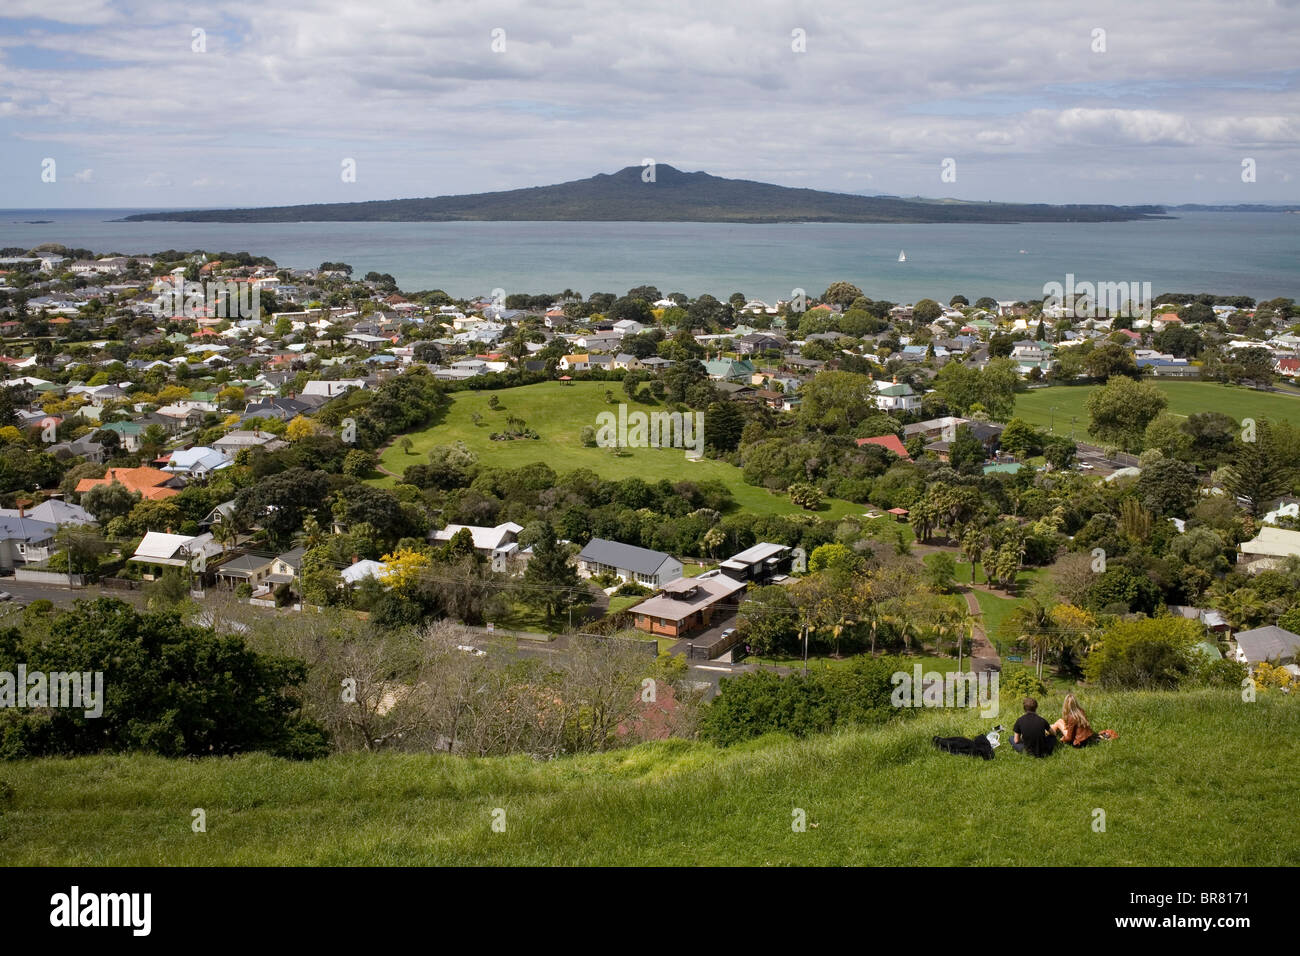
(1185, 398)
(1195, 778)
(558, 413)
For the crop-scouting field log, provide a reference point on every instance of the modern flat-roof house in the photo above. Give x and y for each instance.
(1274, 644)
(651, 568)
(688, 604)
(759, 564)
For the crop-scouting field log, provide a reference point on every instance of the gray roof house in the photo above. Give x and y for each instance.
(1274, 644)
(652, 568)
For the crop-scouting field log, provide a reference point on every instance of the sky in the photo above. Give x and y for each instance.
(150, 103)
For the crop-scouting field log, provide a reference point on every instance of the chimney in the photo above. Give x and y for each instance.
(20, 509)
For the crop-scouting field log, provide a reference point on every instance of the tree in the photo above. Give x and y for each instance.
(1109, 360)
(1121, 410)
(769, 620)
(300, 428)
(966, 453)
(1020, 439)
(833, 556)
(837, 401)
(1155, 653)
(106, 502)
(805, 495)
(940, 571)
(842, 294)
(1168, 488)
(926, 311)
(1258, 473)
(174, 689)
(551, 582)
(1059, 452)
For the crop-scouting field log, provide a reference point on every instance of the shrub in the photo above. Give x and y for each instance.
(1150, 653)
(243, 590)
(759, 703)
(1020, 683)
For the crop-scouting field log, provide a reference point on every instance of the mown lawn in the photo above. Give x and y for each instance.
(1185, 398)
(1199, 778)
(558, 414)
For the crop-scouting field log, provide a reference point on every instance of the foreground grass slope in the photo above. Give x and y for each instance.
(1195, 778)
(1185, 398)
(558, 414)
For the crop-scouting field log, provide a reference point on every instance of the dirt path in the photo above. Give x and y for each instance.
(983, 656)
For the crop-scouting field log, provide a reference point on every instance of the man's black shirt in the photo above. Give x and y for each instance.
(1035, 733)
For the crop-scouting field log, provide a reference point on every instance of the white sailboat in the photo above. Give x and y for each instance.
(902, 256)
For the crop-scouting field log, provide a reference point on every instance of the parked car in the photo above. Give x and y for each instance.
(6, 596)
(729, 633)
(471, 649)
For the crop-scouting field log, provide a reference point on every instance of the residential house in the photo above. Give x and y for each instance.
(251, 569)
(761, 564)
(1268, 549)
(1273, 644)
(197, 462)
(230, 445)
(896, 397)
(629, 562)
(889, 443)
(729, 370)
(151, 483)
(24, 539)
(287, 567)
(685, 605)
(159, 550)
(489, 542)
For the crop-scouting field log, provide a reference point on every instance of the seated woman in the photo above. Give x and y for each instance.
(1073, 725)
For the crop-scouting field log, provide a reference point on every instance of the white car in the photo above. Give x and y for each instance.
(1085, 466)
(471, 649)
(6, 596)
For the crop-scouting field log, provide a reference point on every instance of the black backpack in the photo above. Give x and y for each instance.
(977, 746)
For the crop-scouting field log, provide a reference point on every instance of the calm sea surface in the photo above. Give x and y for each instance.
(1255, 254)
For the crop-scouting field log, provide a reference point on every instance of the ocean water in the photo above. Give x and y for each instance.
(1229, 253)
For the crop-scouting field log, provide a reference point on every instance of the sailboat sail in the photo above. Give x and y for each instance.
(902, 256)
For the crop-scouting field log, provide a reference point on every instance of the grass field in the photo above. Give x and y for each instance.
(558, 413)
(1185, 398)
(1198, 778)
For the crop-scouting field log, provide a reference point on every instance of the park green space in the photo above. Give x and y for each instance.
(1053, 408)
(557, 412)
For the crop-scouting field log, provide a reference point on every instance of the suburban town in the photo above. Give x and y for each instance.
(190, 428)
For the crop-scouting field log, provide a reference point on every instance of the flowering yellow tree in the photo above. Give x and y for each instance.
(300, 428)
(404, 568)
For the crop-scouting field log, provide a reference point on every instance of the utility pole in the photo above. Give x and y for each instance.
(806, 630)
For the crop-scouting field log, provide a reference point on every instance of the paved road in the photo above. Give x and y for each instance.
(25, 592)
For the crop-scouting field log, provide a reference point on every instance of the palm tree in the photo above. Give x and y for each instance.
(1034, 625)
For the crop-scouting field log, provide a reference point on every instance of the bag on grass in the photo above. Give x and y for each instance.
(977, 746)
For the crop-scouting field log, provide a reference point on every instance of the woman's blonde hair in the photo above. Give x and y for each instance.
(1073, 714)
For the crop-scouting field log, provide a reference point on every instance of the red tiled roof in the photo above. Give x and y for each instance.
(889, 443)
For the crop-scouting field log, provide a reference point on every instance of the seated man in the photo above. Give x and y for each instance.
(1032, 734)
